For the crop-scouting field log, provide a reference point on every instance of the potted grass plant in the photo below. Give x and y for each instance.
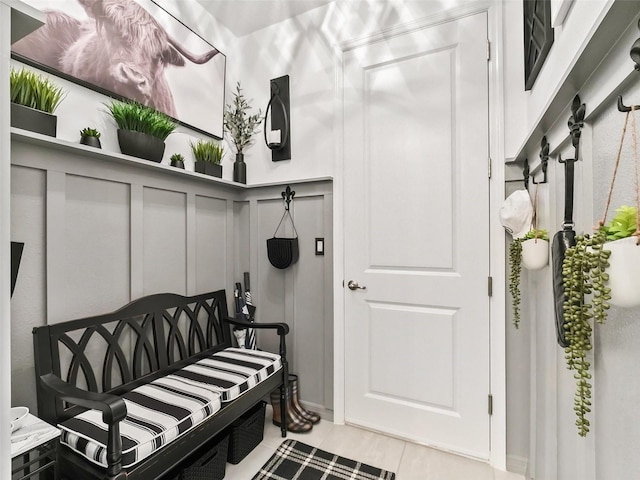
(240, 127)
(207, 155)
(177, 160)
(34, 99)
(142, 130)
(91, 137)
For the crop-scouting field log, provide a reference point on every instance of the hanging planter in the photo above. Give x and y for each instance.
(598, 268)
(535, 253)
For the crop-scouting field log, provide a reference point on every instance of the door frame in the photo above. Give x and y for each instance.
(497, 306)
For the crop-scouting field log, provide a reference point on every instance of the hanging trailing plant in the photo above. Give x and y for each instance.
(587, 293)
(515, 262)
(584, 274)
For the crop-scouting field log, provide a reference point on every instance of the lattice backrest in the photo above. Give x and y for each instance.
(112, 352)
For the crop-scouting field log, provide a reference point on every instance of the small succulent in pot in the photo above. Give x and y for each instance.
(177, 160)
(91, 137)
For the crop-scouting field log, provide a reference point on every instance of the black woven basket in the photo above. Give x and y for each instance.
(210, 464)
(246, 433)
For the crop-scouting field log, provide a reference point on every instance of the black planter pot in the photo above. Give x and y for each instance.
(177, 164)
(141, 145)
(208, 168)
(240, 169)
(33, 120)
(90, 141)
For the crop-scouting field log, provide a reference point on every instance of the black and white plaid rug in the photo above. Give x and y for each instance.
(297, 461)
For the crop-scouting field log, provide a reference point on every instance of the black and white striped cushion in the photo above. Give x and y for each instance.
(164, 409)
(231, 372)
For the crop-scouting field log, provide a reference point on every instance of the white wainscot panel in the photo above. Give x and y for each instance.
(211, 247)
(426, 338)
(96, 245)
(410, 157)
(164, 241)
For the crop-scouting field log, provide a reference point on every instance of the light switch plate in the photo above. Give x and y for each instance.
(319, 246)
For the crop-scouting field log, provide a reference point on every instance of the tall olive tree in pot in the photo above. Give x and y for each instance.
(240, 127)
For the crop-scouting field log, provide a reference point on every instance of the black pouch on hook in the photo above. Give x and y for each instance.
(283, 252)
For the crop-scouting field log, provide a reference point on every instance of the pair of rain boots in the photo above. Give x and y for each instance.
(299, 419)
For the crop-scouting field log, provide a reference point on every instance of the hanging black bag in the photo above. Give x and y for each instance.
(566, 237)
(284, 252)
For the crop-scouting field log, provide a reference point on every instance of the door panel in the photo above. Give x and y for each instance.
(416, 236)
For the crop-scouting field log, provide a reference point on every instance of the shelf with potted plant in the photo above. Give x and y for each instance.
(142, 130)
(240, 127)
(34, 99)
(208, 155)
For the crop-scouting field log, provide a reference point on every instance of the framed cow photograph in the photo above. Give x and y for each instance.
(131, 49)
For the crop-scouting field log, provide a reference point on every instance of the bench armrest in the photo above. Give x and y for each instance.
(113, 411)
(112, 407)
(282, 328)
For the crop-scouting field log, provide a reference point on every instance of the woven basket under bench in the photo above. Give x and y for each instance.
(246, 433)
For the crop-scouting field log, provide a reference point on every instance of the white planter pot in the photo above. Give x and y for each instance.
(535, 253)
(624, 265)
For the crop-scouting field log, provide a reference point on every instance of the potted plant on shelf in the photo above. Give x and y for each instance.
(91, 137)
(33, 101)
(141, 129)
(240, 128)
(208, 156)
(177, 160)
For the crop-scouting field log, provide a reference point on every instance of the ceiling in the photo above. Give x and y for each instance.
(242, 17)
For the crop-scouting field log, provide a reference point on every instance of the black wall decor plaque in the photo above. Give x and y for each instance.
(538, 38)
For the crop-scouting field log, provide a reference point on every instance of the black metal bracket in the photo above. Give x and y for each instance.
(576, 123)
(623, 108)
(525, 173)
(544, 160)
(635, 52)
(287, 196)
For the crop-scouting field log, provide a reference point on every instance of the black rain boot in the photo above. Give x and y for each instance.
(307, 415)
(294, 423)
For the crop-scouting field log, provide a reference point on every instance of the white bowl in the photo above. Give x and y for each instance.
(18, 415)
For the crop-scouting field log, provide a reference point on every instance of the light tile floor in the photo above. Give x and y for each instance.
(409, 461)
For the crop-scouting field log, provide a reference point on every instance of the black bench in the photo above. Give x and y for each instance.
(92, 362)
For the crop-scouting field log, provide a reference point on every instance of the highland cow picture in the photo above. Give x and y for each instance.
(131, 49)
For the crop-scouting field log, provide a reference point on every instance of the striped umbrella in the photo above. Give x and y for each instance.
(251, 334)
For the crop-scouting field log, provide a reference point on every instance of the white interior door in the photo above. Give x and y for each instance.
(416, 194)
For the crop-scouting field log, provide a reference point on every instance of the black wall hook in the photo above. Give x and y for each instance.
(287, 196)
(576, 122)
(623, 108)
(525, 173)
(544, 160)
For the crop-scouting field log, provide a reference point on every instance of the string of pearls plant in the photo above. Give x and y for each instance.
(584, 274)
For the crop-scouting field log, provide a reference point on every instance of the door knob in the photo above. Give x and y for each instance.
(353, 285)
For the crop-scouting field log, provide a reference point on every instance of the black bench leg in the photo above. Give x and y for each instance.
(284, 393)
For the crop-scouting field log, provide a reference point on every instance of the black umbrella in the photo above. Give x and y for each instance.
(566, 237)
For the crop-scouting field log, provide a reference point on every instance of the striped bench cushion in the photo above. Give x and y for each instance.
(164, 409)
(231, 372)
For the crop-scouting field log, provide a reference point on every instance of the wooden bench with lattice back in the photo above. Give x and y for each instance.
(137, 391)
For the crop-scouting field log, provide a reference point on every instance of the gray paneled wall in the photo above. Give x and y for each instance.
(100, 233)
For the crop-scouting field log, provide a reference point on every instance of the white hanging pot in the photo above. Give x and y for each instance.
(535, 253)
(624, 265)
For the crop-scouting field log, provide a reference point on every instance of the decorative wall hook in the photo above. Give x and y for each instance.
(525, 173)
(623, 108)
(544, 160)
(287, 196)
(635, 52)
(576, 122)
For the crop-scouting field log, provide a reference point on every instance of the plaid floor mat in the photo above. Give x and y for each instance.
(297, 461)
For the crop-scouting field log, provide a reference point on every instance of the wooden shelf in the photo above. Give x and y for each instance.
(44, 141)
